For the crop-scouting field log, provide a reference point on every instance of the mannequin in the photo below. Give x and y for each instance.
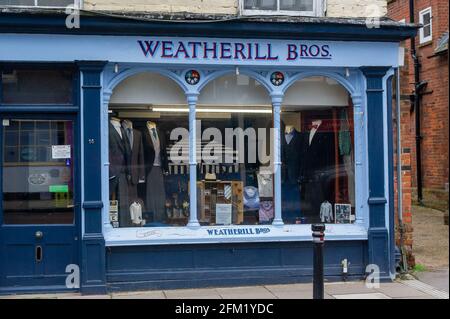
(137, 170)
(119, 159)
(156, 165)
(318, 165)
(291, 157)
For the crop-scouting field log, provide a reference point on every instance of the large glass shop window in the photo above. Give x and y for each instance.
(148, 182)
(235, 170)
(317, 153)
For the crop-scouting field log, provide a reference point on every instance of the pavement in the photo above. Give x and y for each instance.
(399, 289)
(437, 278)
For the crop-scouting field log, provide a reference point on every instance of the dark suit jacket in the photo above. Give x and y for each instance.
(149, 151)
(319, 156)
(137, 164)
(119, 153)
(292, 157)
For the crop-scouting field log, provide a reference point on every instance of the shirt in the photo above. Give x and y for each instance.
(117, 126)
(289, 136)
(313, 132)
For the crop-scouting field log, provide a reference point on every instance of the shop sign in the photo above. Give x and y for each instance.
(237, 51)
(238, 231)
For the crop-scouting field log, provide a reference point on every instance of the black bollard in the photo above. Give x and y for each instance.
(318, 234)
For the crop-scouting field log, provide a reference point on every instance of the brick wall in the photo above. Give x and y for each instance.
(434, 113)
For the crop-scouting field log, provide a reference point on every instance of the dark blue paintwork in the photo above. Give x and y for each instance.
(93, 245)
(102, 25)
(176, 266)
(379, 251)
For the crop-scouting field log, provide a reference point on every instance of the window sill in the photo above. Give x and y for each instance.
(227, 234)
(425, 44)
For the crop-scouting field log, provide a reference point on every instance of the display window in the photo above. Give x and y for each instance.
(317, 153)
(235, 173)
(148, 185)
(149, 171)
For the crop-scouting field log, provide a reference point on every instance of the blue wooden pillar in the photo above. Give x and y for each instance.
(93, 268)
(378, 235)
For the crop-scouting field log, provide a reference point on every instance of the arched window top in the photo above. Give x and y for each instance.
(148, 89)
(234, 90)
(316, 91)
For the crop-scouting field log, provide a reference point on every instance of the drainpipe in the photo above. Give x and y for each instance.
(416, 106)
(401, 226)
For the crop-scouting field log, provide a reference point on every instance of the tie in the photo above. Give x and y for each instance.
(130, 135)
(154, 133)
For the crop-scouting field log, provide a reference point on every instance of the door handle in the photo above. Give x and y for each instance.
(39, 235)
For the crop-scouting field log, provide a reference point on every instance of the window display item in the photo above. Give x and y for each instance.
(266, 211)
(155, 164)
(291, 155)
(265, 184)
(211, 193)
(251, 197)
(223, 214)
(326, 212)
(342, 213)
(114, 213)
(136, 214)
(119, 175)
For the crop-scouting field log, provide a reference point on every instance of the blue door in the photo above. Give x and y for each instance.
(39, 203)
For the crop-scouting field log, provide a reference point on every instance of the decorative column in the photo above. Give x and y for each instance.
(277, 99)
(192, 102)
(378, 234)
(93, 267)
(359, 127)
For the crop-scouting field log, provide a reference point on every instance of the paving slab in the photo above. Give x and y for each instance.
(348, 288)
(439, 279)
(397, 290)
(192, 294)
(158, 294)
(376, 295)
(257, 292)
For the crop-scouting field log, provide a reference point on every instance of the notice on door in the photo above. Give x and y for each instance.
(60, 151)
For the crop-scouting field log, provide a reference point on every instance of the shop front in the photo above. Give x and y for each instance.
(194, 156)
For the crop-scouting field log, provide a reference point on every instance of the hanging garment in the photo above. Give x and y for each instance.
(266, 211)
(136, 214)
(319, 169)
(345, 137)
(137, 168)
(326, 212)
(156, 195)
(265, 184)
(291, 157)
(251, 197)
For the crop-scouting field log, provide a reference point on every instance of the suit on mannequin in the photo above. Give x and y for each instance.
(291, 157)
(156, 163)
(318, 161)
(137, 168)
(119, 175)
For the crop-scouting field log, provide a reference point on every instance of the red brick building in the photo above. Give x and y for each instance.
(431, 47)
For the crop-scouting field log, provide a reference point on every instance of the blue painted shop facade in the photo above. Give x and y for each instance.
(94, 64)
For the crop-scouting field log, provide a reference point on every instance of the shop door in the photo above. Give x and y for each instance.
(39, 210)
